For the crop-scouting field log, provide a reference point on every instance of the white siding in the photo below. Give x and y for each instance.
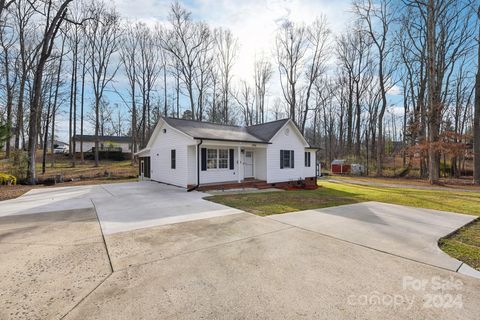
(260, 162)
(192, 164)
(87, 146)
(281, 141)
(220, 175)
(310, 171)
(160, 150)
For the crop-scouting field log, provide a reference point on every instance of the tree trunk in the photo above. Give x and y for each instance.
(19, 122)
(34, 114)
(45, 139)
(476, 124)
(433, 102)
(380, 139)
(82, 102)
(97, 127)
(358, 114)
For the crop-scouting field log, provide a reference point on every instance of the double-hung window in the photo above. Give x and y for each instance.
(287, 158)
(308, 162)
(217, 158)
(212, 159)
(223, 158)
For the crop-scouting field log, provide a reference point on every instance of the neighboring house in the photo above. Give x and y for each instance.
(105, 143)
(190, 153)
(56, 144)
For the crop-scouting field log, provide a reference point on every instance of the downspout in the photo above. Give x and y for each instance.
(198, 166)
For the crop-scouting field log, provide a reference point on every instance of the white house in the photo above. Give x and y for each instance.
(122, 143)
(190, 153)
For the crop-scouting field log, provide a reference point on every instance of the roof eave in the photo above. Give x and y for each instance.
(232, 140)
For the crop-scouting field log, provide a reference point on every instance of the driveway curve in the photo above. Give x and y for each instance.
(407, 232)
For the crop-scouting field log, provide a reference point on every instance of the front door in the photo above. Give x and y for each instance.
(142, 169)
(248, 164)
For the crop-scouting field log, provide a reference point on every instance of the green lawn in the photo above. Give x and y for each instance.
(463, 245)
(333, 194)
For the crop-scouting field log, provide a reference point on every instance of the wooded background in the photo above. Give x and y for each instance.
(63, 56)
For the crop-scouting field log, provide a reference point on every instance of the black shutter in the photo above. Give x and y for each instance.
(281, 159)
(306, 160)
(149, 166)
(204, 159)
(231, 157)
(173, 159)
(292, 157)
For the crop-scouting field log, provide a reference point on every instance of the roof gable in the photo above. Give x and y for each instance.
(266, 131)
(296, 130)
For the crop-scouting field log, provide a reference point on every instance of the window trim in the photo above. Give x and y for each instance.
(291, 159)
(308, 159)
(217, 159)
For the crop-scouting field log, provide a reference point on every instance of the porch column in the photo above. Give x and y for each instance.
(239, 164)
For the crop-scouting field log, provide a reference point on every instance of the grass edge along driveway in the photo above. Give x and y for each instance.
(463, 245)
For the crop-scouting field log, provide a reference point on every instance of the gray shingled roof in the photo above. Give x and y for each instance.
(91, 138)
(213, 131)
(266, 131)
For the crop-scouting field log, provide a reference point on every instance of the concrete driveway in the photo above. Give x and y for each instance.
(121, 206)
(246, 267)
(411, 233)
(213, 262)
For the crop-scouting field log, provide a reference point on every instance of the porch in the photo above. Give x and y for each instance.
(227, 165)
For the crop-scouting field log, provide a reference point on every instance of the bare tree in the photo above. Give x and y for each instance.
(291, 45)
(263, 74)
(55, 14)
(379, 14)
(129, 54)
(245, 98)
(317, 41)
(103, 33)
(55, 106)
(227, 46)
(202, 75)
(448, 34)
(4, 4)
(476, 126)
(10, 60)
(24, 12)
(346, 55)
(147, 70)
(185, 41)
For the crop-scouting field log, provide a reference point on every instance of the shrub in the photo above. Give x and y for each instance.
(19, 166)
(7, 179)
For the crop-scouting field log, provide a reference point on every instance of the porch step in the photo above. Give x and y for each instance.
(234, 185)
(309, 184)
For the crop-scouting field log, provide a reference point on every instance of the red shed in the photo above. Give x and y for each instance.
(340, 166)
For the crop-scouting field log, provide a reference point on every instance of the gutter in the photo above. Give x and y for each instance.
(233, 140)
(198, 167)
